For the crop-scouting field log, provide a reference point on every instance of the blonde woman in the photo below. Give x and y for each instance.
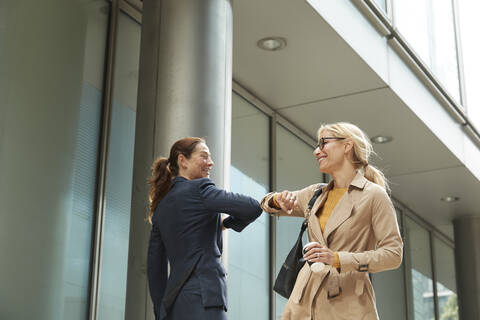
(352, 227)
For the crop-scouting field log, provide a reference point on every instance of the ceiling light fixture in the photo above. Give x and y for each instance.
(381, 139)
(272, 43)
(450, 199)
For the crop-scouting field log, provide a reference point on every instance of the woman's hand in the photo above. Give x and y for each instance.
(224, 216)
(286, 200)
(318, 253)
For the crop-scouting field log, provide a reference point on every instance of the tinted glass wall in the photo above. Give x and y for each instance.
(118, 193)
(429, 27)
(389, 289)
(419, 255)
(446, 282)
(51, 77)
(469, 26)
(248, 251)
(296, 169)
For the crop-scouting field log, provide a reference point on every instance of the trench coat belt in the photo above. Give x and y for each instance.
(333, 286)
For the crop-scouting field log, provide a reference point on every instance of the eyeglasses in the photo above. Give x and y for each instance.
(322, 141)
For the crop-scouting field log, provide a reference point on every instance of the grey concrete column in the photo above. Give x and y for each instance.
(184, 90)
(467, 261)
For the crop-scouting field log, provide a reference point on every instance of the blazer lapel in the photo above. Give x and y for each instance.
(342, 212)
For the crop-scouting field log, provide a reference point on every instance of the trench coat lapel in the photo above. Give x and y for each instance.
(313, 220)
(344, 208)
(342, 212)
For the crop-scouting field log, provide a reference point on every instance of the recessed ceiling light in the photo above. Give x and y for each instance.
(381, 139)
(450, 199)
(272, 43)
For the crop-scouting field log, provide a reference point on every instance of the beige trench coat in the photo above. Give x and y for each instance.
(363, 229)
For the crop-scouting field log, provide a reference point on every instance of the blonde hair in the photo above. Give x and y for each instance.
(362, 150)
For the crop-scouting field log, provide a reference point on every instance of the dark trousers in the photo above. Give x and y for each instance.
(188, 304)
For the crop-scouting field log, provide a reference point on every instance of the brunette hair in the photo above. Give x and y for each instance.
(165, 169)
(362, 150)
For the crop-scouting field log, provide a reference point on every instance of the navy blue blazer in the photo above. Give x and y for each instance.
(187, 232)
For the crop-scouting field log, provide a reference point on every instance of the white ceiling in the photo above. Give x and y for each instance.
(318, 79)
(316, 63)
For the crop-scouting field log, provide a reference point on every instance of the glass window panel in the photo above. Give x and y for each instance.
(382, 4)
(469, 26)
(119, 172)
(446, 282)
(248, 254)
(391, 304)
(443, 49)
(428, 26)
(296, 168)
(50, 110)
(418, 249)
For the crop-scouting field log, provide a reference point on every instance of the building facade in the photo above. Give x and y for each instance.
(91, 91)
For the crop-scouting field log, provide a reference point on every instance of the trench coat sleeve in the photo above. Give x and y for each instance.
(389, 244)
(303, 197)
(243, 210)
(157, 271)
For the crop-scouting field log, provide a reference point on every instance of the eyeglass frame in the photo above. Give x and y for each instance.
(321, 142)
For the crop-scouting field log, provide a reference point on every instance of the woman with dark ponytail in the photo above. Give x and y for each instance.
(185, 213)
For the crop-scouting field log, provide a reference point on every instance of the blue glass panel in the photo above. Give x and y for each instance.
(248, 251)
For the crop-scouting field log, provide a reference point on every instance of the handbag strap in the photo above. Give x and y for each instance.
(310, 206)
(315, 196)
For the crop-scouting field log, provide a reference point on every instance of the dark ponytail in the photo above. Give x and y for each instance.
(165, 169)
(159, 184)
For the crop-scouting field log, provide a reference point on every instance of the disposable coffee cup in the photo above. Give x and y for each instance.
(315, 267)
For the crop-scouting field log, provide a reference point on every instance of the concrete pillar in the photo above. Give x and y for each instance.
(184, 90)
(467, 261)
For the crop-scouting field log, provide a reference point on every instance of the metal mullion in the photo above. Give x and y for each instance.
(95, 266)
(389, 7)
(460, 66)
(131, 10)
(434, 275)
(137, 4)
(401, 223)
(420, 68)
(407, 271)
(374, 15)
(423, 223)
(252, 99)
(272, 221)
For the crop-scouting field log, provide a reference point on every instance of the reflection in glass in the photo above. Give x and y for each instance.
(248, 253)
(113, 274)
(469, 26)
(446, 282)
(296, 169)
(418, 249)
(428, 26)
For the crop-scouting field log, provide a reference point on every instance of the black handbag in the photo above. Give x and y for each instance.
(287, 275)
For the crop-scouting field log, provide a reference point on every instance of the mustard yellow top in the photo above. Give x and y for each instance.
(334, 195)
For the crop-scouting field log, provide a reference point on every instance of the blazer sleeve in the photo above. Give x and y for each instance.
(157, 269)
(388, 254)
(242, 209)
(303, 197)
